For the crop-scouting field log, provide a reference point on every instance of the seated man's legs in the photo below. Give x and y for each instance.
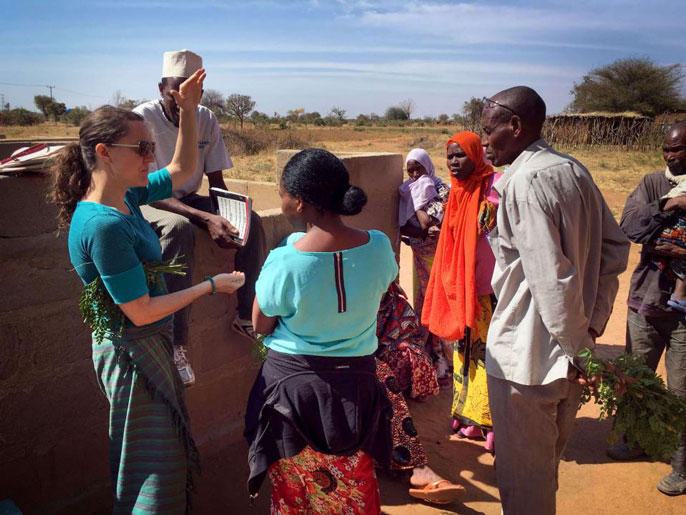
(249, 260)
(177, 241)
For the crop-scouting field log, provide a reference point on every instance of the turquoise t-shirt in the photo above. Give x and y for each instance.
(326, 301)
(104, 242)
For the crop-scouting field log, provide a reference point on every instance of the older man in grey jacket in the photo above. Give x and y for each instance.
(558, 253)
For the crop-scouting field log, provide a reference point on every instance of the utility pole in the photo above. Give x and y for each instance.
(2, 101)
(50, 88)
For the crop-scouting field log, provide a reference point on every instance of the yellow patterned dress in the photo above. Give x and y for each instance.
(470, 394)
(470, 397)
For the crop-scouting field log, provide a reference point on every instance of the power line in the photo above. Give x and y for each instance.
(51, 88)
(26, 85)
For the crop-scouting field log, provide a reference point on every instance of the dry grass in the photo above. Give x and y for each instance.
(616, 171)
(44, 130)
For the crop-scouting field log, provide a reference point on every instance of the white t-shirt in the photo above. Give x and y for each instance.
(212, 154)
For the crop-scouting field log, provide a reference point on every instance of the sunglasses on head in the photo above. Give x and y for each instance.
(492, 103)
(143, 147)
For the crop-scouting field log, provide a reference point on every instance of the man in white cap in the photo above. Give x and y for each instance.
(172, 219)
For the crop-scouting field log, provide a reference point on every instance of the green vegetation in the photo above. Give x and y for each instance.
(637, 85)
(100, 312)
(645, 412)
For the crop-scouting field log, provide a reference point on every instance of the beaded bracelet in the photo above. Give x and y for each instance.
(214, 287)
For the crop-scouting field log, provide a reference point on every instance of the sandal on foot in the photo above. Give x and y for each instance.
(471, 432)
(438, 492)
(490, 443)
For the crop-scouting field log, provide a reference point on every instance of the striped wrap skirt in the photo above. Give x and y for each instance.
(152, 454)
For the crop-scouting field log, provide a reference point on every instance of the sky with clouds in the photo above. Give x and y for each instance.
(362, 56)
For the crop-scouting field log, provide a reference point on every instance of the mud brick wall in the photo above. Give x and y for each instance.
(53, 427)
(379, 175)
(53, 416)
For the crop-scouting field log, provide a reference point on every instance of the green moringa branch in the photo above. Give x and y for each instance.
(101, 313)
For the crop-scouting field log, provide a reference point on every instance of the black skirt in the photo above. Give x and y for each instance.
(334, 405)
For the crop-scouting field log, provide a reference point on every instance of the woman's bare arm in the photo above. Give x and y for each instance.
(147, 310)
(261, 323)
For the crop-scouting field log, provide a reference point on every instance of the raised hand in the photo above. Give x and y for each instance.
(190, 92)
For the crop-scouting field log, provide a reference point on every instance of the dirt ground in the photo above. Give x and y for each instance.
(589, 481)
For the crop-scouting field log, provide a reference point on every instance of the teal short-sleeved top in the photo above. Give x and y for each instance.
(326, 301)
(107, 243)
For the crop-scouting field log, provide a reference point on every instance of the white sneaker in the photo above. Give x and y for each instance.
(183, 366)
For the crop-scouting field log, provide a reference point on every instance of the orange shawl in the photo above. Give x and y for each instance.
(451, 303)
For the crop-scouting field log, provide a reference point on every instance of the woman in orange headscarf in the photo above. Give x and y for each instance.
(459, 299)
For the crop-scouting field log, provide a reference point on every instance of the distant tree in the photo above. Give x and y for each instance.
(20, 116)
(117, 99)
(239, 106)
(395, 113)
(50, 108)
(214, 101)
(362, 119)
(259, 118)
(75, 115)
(42, 103)
(634, 84)
(443, 119)
(429, 120)
(471, 110)
(293, 114)
(333, 121)
(338, 113)
(314, 117)
(130, 103)
(407, 106)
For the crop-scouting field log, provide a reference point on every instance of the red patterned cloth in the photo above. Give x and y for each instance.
(401, 345)
(408, 451)
(311, 483)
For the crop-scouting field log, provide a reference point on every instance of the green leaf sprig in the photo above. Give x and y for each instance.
(646, 413)
(260, 350)
(99, 310)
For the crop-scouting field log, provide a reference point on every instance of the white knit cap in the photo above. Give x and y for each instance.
(180, 63)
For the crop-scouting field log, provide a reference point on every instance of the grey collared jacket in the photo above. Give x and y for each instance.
(558, 253)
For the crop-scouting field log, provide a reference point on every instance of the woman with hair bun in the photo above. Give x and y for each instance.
(317, 416)
(100, 184)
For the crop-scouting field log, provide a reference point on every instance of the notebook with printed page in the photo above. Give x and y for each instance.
(236, 208)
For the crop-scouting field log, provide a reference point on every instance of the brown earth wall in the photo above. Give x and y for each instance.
(53, 416)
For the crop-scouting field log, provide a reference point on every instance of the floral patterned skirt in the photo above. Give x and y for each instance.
(311, 483)
(408, 451)
(401, 345)
(470, 395)
(423, 256)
